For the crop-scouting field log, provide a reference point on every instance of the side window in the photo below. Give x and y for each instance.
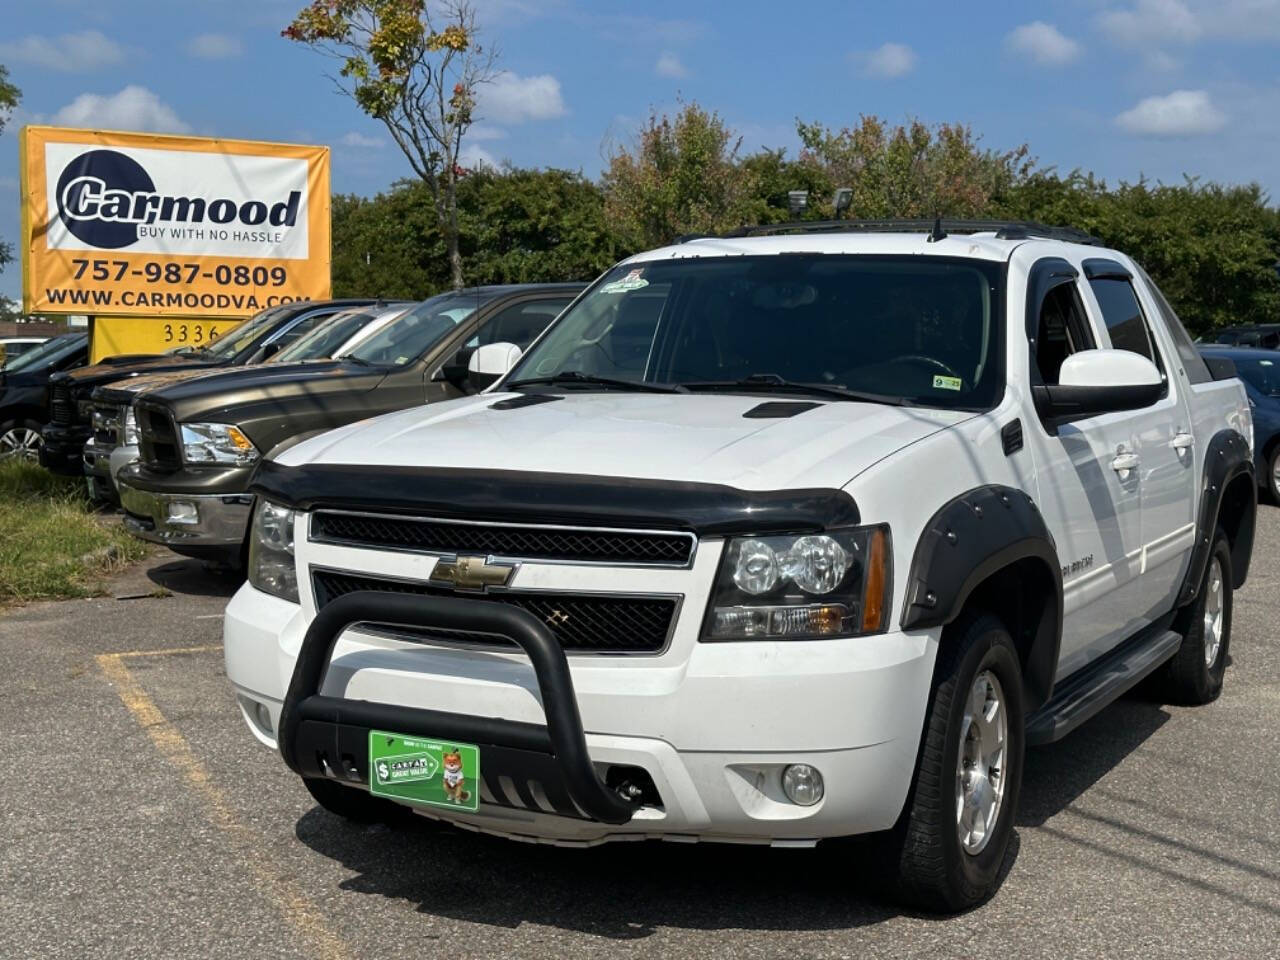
(1123, 316)
(1061, 330)
(1192, 363)
(300, 329)
(519, 323)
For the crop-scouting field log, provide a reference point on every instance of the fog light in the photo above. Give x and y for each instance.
(264, 717)
(183, 511)
(802, 784)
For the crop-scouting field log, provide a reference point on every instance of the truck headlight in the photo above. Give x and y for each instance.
(835, 584)
(216, 443)
(130, 431)
(271, 563)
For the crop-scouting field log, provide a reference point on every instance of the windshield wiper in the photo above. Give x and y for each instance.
(772, 383)
(570, 377)
(352, 358)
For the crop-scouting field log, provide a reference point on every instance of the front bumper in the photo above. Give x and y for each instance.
(712, 732)
(62, 449)
(209, 526)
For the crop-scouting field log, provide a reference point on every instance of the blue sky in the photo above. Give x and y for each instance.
(1122, 87)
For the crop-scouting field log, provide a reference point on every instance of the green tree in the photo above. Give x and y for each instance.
(515, 226)
(681, 175)
(909, 170)
(1211, 249)
(9, 98)
(417, 67)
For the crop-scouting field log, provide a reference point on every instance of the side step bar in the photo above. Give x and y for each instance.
(1087, 692)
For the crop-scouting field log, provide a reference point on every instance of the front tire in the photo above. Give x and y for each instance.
(1272, 479)
(950, 844)
(20, 440)
(1194, 675)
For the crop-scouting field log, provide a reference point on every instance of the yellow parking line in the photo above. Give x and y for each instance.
(297, 910)
(206, 648)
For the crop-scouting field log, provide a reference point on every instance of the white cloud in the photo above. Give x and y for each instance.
(890, 60)
(669, 65)
(471, 157)
(354, 139)
(1151, 21)
(1157, 61)
(1043, 43)
(69, 52)
(511, 98)
(133, 108)
(1183, 113)
(215, 46)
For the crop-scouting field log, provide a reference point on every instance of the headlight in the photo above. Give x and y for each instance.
(130, 437)
(835, 584)
(216, 443)
(271, 565)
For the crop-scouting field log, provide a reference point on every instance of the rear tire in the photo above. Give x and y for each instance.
(1194, 675)
(356, 804)
(949, 845)
(1272, 480)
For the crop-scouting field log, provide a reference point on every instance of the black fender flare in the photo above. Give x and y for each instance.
(1227, 457)
(970, 538)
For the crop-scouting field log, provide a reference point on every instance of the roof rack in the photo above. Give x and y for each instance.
(937, 228)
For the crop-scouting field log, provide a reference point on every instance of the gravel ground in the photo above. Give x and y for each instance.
(142, 820)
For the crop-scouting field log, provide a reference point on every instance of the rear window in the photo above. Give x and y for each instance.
(1192, 363)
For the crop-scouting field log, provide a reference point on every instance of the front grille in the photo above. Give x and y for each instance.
(503, 540)
(157, 438)
(62, 409)
(581, 622)
(106, 425)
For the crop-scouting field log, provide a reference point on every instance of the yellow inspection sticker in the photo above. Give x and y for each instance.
(947, 383)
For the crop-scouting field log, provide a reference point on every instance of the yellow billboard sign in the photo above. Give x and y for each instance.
(134, 224)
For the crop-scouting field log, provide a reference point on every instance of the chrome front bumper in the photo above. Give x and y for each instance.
(184, 520)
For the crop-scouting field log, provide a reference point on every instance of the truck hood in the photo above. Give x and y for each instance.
(683, 437)
(123, 391)
(217, 395)
(86, 378)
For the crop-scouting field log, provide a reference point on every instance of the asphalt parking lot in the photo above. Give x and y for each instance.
(142, 820)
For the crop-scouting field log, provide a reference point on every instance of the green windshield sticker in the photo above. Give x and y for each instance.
(947, 383)
(438, 773)
(632, 281)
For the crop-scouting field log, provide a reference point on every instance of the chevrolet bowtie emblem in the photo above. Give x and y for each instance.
(472, 573)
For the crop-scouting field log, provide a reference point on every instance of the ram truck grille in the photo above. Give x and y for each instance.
(157, 438)
(503, 540)
(590, 623)
(62, 409)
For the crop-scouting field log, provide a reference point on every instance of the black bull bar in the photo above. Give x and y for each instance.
(322, 736)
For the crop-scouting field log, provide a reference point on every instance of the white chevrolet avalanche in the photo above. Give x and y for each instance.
(772, 538)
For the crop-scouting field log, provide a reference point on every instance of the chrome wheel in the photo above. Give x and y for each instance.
(1213, 613)
(20, 443)
(980, 774)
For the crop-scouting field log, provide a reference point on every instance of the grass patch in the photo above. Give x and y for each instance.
(52, 544)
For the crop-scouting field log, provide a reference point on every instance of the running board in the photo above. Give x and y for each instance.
(1087, 692)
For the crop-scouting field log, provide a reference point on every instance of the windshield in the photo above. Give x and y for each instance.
(332, 333)
(1261, 374)
(47, 354)
(241, 337)
(417, 330)
(913, 329)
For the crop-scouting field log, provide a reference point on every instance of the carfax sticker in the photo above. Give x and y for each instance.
(632, 281)
(437, 773)
(947, 383)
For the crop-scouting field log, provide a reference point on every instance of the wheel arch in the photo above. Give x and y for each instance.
(1228, 498)
(990, 547)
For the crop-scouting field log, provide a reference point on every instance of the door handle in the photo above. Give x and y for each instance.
(1182, 441)
(1124, 462)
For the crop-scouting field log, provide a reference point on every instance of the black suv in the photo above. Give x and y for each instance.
(24, 391)
(1264, 335)
(200, 440)
(257, 339)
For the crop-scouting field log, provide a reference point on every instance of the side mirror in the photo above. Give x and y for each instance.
(455, 370)
(270, 350)
(491, 362)
(1094, 382)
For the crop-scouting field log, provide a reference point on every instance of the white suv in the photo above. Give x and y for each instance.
(773, 538)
